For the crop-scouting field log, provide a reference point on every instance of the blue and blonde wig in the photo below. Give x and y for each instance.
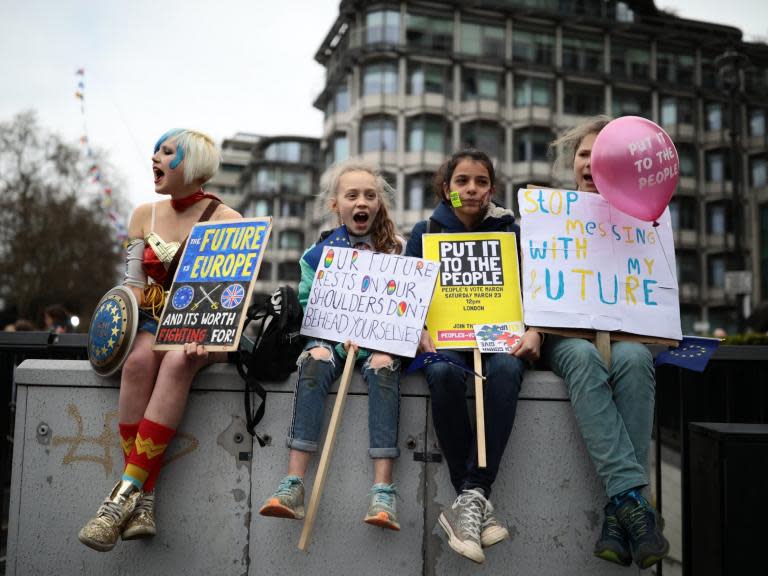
(196, 150)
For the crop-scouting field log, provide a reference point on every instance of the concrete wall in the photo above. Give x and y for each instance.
(67, 457)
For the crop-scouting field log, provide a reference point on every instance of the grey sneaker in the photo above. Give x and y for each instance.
(462, 523)
(382, 511)
(287, 501)
(493, 531)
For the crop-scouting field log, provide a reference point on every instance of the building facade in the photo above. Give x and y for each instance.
(408, 82)
(281, 180)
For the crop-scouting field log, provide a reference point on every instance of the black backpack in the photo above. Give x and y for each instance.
(272, 355)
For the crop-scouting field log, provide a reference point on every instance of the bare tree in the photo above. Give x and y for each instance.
(56, 242)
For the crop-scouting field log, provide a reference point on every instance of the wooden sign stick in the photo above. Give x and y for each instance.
(325, 456)
(479, 409)
(603, 345)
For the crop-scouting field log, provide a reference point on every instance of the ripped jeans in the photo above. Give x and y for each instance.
(312, 385)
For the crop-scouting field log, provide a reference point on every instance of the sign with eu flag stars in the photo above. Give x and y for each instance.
(213, 283)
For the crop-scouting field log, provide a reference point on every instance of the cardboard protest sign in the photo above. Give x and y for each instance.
(378, 301)
(213, 284)
(479, 283)
(588, 265)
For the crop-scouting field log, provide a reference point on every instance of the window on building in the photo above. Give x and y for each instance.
(709, 73)
(584, 99)
(296, 182)
(630, 61)
(718, 218)
(582, 54)
(675, 67)
(340, 148)
(258, 208)
(290, 152)
(485, 136)
(758, 172)
(716, 271)
(341, 98)
(430, 32)
(382, 26)
(291, 209)
(717, 169)
(757, 79)
(533, 46)
(291, 240)
(688, 160)
(380, 78)
(676, 110)
(265, 271)
(624, 13)
(482, 40)
(428, 133)
(419, 194)
(426, 78)
(531, 91)
(267, 180)
(688, 269)
(715, 116)
(288, 272)
(757, 122)
(763, 224)
(531, 144)
(482, 85)
(683, 212)
(379, 133)
(631, 103)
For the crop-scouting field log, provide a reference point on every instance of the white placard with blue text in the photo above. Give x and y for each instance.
(588, 265)
(377, 301)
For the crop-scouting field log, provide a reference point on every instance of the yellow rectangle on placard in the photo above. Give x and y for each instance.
(479, 282)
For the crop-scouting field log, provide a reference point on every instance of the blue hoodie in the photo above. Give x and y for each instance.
(496, 219)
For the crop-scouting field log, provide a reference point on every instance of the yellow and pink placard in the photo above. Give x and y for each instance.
(479, 282)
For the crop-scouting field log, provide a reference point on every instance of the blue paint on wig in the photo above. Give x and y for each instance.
(179, 148)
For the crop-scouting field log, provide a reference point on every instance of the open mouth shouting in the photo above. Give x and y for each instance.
(361, 220)
(158, 174)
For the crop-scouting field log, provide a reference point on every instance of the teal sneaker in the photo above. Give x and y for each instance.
(643, 525)
(382, 511)
(287, 501)
(613, 544)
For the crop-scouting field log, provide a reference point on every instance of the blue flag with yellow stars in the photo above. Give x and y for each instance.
(338, 237)
(692, 353)
(427, 358)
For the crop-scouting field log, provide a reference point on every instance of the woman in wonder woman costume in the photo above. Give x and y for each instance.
(155, 385)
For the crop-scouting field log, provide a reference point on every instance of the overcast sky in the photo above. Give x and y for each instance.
(224, 67)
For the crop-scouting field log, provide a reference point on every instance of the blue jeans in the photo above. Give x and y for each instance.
(312, 385)
(450, 415)
(614, 408)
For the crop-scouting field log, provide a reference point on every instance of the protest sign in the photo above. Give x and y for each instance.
(378, 301)
(588, 265)
(478, 283)
(213, 284)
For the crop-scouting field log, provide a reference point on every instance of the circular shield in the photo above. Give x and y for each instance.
(112, 330)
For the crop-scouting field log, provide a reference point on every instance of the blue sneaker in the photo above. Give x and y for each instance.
(287, 501)
(382, 511)
(642, 524)
(613, 544)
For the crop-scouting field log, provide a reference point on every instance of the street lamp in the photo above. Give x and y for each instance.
(730, 66)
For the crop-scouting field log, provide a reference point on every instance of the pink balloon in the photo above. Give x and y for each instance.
(635, 166)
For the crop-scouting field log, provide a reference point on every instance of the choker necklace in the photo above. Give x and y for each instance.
(181, 204)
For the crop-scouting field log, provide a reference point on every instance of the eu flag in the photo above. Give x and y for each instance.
(692, 353)
(427, 358)
(338, 237)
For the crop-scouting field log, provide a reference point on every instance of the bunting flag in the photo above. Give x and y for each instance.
(94, 171)
(426, 358)
(693, 353)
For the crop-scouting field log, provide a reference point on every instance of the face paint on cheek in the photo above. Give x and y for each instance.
(455, 199)
(178, 158)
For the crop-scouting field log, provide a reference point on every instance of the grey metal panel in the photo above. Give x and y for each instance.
(341, 543)
(202, 493)
(14, 510)
(546, 490)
